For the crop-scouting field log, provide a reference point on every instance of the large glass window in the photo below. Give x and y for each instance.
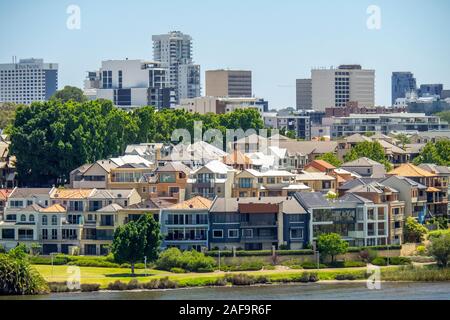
(167, 177)
(296, 233)
(245, 183)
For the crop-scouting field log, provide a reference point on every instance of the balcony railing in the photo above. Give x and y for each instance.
(256, 223)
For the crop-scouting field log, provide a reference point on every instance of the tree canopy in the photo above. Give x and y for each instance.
(69, 93)
(331, 158)
(414, 231)
(331, 244)
(437, 153)
(369, 149)
(7, 113)
(439, 248)
(50, 139)
(136, 240)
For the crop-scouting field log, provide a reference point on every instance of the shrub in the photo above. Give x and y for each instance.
(269, 267)
(166, 283)
(241, 279)
(90, 287)
(437, 233)
(421, 250)
(151, 285)
(205, 270)
(187, 260)
(296, 267)
(347, 264)
(368, 254)
(396, 261)
(313, 277)
(439, 248)
(379, 261)
(177, 270)
(140, 266)
(245, 266)
(345, 276)
(59, 287)
(134, 285)
(304, 277)
(2, 249)
(17, 277)
(117, 286)
(312, 265)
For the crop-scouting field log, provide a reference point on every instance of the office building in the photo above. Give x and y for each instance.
(228, 83)
(28, 80)
(427, 90)
(335, 87)
(384, 123)
(131, 83)
(220, 105)
(402, 83)
(304, 94)
(174, 51)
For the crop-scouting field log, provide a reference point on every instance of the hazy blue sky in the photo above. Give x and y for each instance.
(278, 40)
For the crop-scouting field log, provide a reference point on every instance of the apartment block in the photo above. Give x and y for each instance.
(228, 83)
(336, 87)
(304, 94)
(28, 80)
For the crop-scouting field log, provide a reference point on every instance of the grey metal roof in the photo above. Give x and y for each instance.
(289, 204)
(312, 199)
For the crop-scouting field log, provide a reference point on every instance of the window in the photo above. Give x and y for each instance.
(8, 234)
(44, 234)
(54, 220)
(23, 218)
(247, 233)
(217, 234)
(54, 234)
(233, 233)
(245, 183)
(31, 217)
(296, 233)
(44, 220)
(11, 217)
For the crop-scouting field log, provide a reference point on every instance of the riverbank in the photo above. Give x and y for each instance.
(311, 291)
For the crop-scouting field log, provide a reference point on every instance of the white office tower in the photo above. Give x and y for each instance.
(28, 80)
(174, 51)
(131, 83)
(335, 87)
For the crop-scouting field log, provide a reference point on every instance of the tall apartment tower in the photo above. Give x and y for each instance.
(402, 83)
(228, 83)
(304, 94)
(336, 87)
(174, 51)
(27, 81)
(131, 83)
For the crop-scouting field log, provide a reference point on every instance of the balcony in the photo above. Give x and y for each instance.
(259, 224)
(271, 238)
(356, 234)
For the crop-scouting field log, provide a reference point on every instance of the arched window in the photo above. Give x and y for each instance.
(31, 217)
(54, 220)
(44, 220)
(23, 218)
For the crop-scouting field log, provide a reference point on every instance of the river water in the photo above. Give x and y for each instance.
(312, 291)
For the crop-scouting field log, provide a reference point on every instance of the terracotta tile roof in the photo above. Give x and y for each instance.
(237, 157)
(56, 208)
(4, 193)
(71, 193)
(194, 203)
(410, 170)
(321, 163)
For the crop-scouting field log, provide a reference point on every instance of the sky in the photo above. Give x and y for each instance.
(279, 41)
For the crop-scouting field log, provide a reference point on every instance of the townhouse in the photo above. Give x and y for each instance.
(169, 181)
(4, 193)
(379, 194)
(21, 219)
(441, 171)
(357, 220)
(365, 167)
(273, 183)
(257, 223)
(437, 187)
(214, 179)
(317, 181)
(8, 177)
(185, 225)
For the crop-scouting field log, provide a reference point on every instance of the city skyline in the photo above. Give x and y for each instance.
(264, 46)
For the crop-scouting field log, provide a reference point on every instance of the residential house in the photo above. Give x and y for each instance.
(311, 150)
(238, 160)
(361, 181)
(319, 166)
(412, 193)
(8, 177)
(131, 176)
(169, 181)
(365, 167)
(273, 183)
(357, 220)
(214, 179)
(193, 155)
(437, 187)
(258, 223)
(4, 193)
(381, 194)
(186, 224)
(430, 136)
(442, 172)
(317, 181)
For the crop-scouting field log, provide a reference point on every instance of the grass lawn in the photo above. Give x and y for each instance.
(104, 276)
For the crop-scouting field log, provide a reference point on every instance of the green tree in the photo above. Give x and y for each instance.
(403, 139)
(414, 231)
(331, 158)
(444, 115)
(439, 248)
(331, 244)
(50, 139)
(69, 93)
(369, 149)
(153, 236)
(129, 244)
(7, 114)
(437, 153)
(136, 240)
